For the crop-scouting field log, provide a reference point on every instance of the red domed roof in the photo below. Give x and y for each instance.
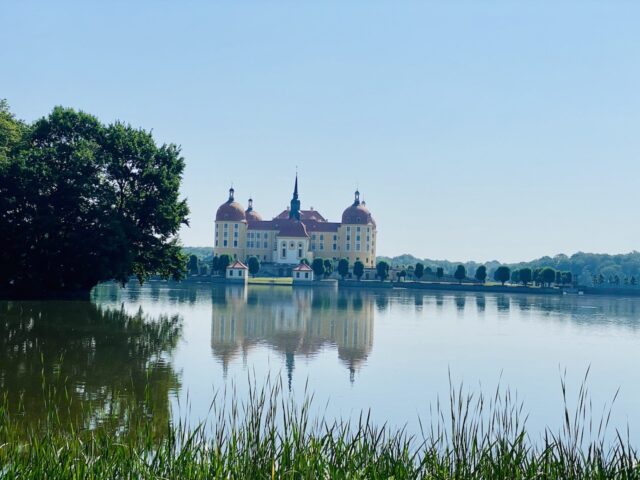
(357, 213)
(251, 214)
(230, 211)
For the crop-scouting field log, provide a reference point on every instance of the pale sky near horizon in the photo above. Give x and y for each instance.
(474, 130)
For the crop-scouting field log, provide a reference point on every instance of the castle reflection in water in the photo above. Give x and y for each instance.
(294, 322)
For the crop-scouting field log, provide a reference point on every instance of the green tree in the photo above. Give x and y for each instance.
(318, 268)
(418, 272)
(382, 270)
(439, 273)
(12, 131)
(223, 262)
(515, 277)
(328, 268)
(343, 267)
(567, 278)
(358, 269)
(526, 276)
(481, 273)
(558, 278)
(254, 265)
(428, 271)
(548, 275)
(502, 274)
(214, 264)
(192, 265)
(81, 203)
(460, 274)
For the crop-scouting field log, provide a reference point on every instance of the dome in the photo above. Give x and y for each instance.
(357, 213)
(231, 210)
(251, 214)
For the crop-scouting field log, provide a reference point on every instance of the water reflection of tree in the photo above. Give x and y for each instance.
(99, 366)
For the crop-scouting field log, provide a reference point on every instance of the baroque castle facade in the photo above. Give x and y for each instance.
(295, 234)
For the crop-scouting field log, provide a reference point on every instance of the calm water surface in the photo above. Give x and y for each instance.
(388, 351)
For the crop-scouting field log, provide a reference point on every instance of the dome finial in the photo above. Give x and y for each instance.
(356, 200)
(231, 192)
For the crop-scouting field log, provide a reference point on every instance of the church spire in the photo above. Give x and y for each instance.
(294, 211)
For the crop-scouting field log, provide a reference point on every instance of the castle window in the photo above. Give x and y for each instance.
(216, 242)
(357, 238)
(231, 273)
(306, 274)
(284, 252)
(235, 226)
(291, 245)
(226, 226)
(357, 247)
(348, 246)
(335, 238)
(348, 238)
(322, 246)
(265, 245)
(235, 234)
(235, 244)
(335, 247)
(224, 244)
(358, 228)
(297, 274)
(299, 253)
(226, 234)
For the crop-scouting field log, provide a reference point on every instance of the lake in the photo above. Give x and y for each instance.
(392, 352)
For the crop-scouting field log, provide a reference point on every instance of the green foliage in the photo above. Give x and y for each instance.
(224, 261)
(382, 270)
(472, 436)
(343, 267)
(214, 264)
(481, 273)
(502, 274)
(12, 131)
(515, 277)
(548, 275)
(439, 272)
(460, 274)
(358, 269)
(192, 265)
(82, 202)
(318, 267)
(328, 267)
(418, 272)
(526, 275)
(254, 265)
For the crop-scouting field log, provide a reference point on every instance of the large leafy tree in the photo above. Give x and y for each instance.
(358, 269)
(481, 273)
(343, 267)
(318, 267)
(460, 274)
(83, 203)
(382, 269)
(254, 265)
(502, 274)
(418, 272)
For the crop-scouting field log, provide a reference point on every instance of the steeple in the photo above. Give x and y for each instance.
(294, 211)
(250, 209)
(231, 192)
(356, 200)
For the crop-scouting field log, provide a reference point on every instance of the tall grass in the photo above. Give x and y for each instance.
(270, 436)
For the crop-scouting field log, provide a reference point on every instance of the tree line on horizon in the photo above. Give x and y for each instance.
(611, 270)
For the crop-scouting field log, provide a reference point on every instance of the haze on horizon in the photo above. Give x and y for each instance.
(474, 130)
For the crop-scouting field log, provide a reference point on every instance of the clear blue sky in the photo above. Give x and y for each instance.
(475, 130)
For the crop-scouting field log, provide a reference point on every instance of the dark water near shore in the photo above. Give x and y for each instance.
(388, 351)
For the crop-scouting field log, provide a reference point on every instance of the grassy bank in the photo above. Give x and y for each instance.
(269, 436)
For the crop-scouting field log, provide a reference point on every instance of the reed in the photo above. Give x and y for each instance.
(269, 435)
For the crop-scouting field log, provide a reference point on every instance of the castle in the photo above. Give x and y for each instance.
(295, 234)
